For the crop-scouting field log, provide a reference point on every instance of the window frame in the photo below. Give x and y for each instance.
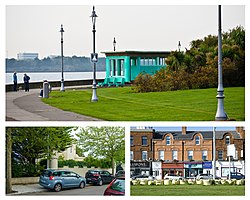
(144, 153)
(168, 140)
(143, 139)
(197, 140)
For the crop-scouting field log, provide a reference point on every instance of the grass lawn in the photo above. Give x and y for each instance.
(122, 104)
(187, 190)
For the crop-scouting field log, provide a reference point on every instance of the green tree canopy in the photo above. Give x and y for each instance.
(103, 142)
(32, 143)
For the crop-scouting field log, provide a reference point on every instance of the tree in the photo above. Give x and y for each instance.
(32, 143)
(103, 142)
(8, 160)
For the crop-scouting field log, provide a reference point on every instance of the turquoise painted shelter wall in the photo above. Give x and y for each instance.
(121, 68)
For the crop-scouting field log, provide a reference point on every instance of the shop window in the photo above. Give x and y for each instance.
(144, 155)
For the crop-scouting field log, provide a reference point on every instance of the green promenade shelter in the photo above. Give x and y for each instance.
(124, 66)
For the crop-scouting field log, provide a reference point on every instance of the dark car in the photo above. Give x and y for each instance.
(116, 187)
(236, 175)
(60, 179)
(99, 177)
(120, 173)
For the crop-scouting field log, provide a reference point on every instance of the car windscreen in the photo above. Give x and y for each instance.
(118, 185)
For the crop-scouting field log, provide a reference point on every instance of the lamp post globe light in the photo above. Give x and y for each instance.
(94, 57)
(62, 79)
(114, 43)
(220, 114)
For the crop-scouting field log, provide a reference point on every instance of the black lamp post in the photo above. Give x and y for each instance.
(179, 46)
(94, 57)
(114, 43)
(62, 80)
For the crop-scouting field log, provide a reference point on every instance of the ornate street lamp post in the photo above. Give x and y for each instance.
(220, 114)
(62, 80)
(179, 46)
(114, 43)
(94, 57)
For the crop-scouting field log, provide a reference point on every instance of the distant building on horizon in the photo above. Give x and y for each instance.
(27, 56)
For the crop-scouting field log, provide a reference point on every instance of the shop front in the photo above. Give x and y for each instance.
(207, 167)
(223, 167)
(157, 169)
(176, 168)
(192, 169)
(140, 167)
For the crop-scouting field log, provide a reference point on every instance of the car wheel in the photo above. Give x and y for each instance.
(57, 187)
(82, 184)
(100, 182)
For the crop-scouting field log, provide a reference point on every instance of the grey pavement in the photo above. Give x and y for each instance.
(27, 106)
(25, 189)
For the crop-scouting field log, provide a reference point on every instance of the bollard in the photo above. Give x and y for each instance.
(45, 89)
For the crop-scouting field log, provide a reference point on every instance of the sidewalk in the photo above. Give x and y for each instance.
(24, 189)
(27, 106)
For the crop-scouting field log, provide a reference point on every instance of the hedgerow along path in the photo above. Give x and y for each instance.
(122, 104)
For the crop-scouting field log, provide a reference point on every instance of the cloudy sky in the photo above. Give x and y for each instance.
(135, 27)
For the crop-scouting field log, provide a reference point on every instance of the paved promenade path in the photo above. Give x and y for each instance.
(27, 106)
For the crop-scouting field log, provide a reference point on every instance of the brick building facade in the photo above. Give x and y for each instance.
(186, 152)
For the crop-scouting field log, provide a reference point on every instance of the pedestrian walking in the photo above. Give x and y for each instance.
(15, 82)
(26, 79)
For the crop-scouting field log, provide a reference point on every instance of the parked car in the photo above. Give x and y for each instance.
(205, 176)
(99, 177)
(173, 177)
(142, 176)
(120, 173)
(116, 187)
(60, 179)
(236, 175)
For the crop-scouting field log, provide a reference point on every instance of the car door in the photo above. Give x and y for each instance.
(75, 179)
(66, 180)
(106, 177)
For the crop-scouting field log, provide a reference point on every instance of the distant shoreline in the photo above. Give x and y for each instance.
(50, 71)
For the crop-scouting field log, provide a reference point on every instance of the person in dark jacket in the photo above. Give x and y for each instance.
(26, 79)
(15, 82)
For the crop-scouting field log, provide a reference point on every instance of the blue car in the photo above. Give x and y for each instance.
(60, 179)
(236, 175)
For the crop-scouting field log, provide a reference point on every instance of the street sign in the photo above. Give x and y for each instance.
(231, 150)
(94, 57)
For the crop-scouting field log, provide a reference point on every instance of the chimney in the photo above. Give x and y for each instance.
(241, 131)
(184, 130)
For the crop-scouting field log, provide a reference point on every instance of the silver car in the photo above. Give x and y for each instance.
(60, 179)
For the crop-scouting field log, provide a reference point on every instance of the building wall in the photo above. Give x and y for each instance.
(137, 146)
(239, 144)
(182, 147)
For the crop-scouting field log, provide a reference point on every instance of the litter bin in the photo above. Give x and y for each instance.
(45, 89)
